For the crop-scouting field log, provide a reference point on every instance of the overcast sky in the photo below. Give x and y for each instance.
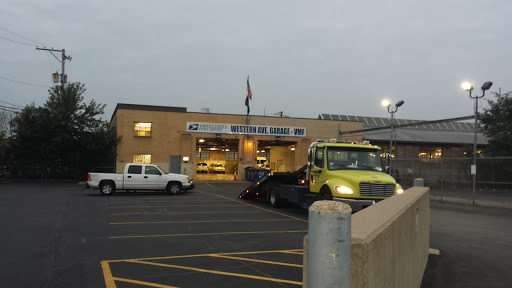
(304, 58)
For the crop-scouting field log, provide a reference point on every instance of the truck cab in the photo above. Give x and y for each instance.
(349, 172)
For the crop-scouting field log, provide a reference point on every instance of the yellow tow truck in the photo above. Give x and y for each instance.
(350, 172)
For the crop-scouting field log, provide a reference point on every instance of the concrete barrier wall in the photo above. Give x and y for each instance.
(390, 241)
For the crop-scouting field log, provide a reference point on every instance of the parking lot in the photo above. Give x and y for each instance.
(206, 237)
(56, 235)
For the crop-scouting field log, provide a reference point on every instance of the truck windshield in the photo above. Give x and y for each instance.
(343, 158)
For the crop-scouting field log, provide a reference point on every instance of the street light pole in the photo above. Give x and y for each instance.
(392, 111)
(469, 87)
(391, 142)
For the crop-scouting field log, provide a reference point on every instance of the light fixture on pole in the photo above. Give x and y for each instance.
(469, 87)
(392, 111)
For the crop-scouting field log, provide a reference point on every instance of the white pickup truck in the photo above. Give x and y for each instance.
(139, 177)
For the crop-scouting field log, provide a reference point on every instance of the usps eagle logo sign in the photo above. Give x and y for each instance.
(193, 127)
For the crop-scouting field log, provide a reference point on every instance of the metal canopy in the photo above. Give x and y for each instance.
(445, 131)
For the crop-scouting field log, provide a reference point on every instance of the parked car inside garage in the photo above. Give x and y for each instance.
(201, 167)
(217, 168)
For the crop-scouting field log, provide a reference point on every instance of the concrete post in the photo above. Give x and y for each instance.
(329, 245)
(418, 182)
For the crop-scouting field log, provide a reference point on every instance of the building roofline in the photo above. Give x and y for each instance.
(126, 106)
(147, 108)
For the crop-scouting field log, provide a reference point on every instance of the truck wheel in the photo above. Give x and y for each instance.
(107, 188)
(275, 200)
(173, 188)
(325, 194)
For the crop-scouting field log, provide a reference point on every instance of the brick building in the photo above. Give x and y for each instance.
(176, 139)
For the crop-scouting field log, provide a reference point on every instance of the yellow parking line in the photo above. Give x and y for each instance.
(208, 255)
(292, 252)
(107, 274)
(247, 204)
(256, 252)
(206, 234)
(143, 283)
(256, 260)
(217, 272)
(203, 221)
(178, 205)
(178, 213)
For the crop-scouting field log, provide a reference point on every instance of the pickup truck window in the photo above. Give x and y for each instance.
(152, 170)
(135, 169)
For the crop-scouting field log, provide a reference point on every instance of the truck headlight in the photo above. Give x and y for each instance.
(399, 189)
(340, 189)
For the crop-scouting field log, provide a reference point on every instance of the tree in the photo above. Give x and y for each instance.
(30, 146)
(73, 121)
(4, 124)
(5, 132)
(63, 139)
(496, 124)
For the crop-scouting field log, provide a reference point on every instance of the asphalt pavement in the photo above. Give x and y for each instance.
(475, 246)
(472, 231)
(53, 234)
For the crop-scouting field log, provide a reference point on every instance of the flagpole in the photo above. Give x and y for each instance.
(248, 98)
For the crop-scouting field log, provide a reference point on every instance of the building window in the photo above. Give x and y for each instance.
(142, 129)
(429, 154)
(142, 158)
(231, 155)
(479, 153)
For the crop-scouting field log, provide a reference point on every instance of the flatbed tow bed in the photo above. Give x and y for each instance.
(279, 187)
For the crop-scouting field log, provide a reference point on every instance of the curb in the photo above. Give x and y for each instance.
(483, 203)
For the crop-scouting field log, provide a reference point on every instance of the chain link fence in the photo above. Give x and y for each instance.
(454, 174)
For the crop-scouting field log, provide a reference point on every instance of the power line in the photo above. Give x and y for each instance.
(8, 110)
(23, 37)
(17, 41)
(24, 82)
(1, 106)
(11, 104)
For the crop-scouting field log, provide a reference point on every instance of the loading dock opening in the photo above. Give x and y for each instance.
(219, 155)
(278, 156)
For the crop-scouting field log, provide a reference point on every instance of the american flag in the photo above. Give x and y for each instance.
(249, 93)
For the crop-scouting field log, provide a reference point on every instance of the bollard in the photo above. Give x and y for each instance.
(418, 182)
(329, 245)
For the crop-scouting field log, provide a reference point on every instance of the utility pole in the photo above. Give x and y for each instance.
(63, 78)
